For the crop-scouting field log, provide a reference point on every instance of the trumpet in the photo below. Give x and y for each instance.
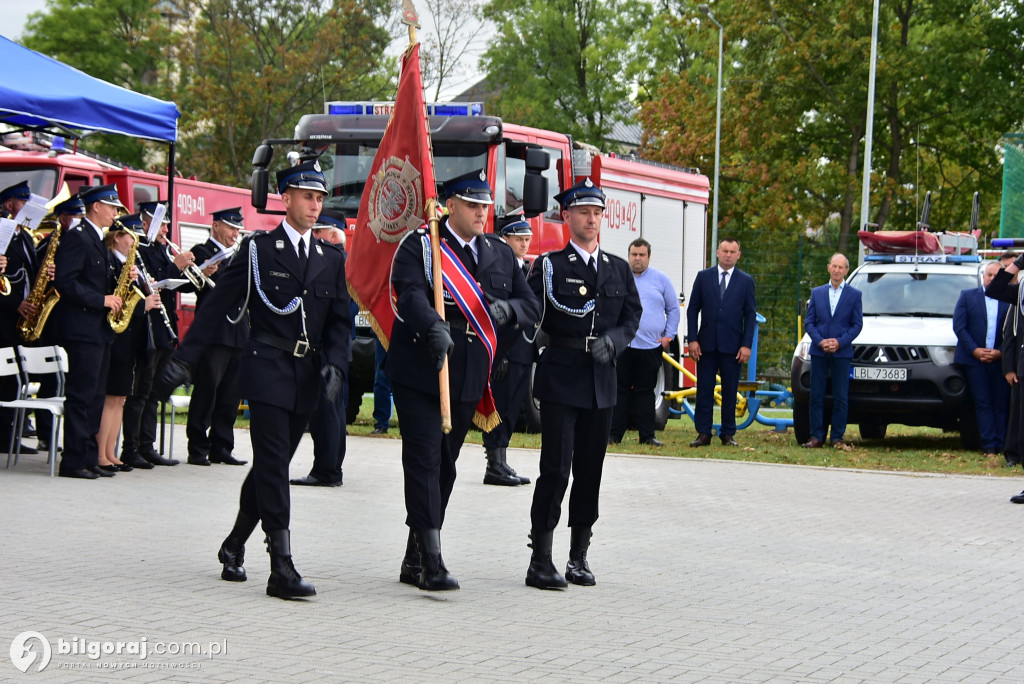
(198, 279)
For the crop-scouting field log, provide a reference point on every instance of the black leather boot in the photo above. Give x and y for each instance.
(498, 472)
(434, 576)
(577, 570)
(542, 573)
(232, 551)
(410, 572)
(285, 581)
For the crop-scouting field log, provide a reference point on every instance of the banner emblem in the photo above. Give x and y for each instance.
(396, 198)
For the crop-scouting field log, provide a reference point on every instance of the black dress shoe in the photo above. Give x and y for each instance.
(44, 446)
(310, 481)
(227, 459)
(26, 449)
(136, 461)
(703, 439)
(29, 429)
(125, 467)
(652, 442)
(1017, 498)
(79, 473)
(158, 460)
(103, 472)
(813, 443)
(727, 440)
(198, 460)
(379, 431)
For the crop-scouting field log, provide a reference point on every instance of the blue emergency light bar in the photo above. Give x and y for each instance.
(341, 108)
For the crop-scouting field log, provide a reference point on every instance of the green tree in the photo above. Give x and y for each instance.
(561, 64)
(119, 41)
(249, 69)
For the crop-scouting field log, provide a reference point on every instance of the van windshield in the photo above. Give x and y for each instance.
(911, 294)
(43, 181)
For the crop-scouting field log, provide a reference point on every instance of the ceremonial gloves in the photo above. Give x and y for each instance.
(439, 343)
(176, 374)
(334, 378)
(603, 349)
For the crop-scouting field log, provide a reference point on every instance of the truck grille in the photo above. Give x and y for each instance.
(867, 354)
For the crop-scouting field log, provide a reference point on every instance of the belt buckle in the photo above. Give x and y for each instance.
(586, 343)
(301, 349)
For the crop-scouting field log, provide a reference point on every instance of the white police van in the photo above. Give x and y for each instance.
(902, 370)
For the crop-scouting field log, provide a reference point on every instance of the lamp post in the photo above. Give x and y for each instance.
(706, 11)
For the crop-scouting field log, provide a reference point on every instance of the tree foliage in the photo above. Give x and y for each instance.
(561, 64)
(250, 68)
(453, 40)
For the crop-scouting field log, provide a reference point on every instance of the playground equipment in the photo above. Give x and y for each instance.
(749, 400)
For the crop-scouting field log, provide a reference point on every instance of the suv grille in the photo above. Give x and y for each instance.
(877, 355)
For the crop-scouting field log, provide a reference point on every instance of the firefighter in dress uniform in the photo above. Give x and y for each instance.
(293, 287)
(419, 343)
(591, 313)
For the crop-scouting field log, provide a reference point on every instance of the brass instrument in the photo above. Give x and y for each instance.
(44, 295)
(195, 276)
(126, 288)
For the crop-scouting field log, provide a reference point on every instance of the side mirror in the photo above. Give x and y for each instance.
(535, 184)
(262, 156)
(259, 187)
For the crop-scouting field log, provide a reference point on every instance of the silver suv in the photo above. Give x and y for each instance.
(902, 370)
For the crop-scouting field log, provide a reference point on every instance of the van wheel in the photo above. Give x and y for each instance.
(801, 421)
(872, 429)
(661, 412)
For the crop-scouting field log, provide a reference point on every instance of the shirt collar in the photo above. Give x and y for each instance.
(584, 253)
(836, 289)
(295, 236)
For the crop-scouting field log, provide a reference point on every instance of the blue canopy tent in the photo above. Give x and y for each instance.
(37, 92)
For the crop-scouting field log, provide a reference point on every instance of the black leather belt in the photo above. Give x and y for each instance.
(582, 343)
(297, 348)
(463, 325)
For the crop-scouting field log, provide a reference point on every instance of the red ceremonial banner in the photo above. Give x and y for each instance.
(394, 201)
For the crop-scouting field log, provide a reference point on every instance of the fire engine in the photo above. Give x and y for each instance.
(665, 205)
(46, 163)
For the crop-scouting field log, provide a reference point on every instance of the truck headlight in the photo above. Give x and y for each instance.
(803, 350)
(941, 356)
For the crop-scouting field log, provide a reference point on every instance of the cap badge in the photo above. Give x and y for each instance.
(588, 183)
(316, 166)
(483, 176)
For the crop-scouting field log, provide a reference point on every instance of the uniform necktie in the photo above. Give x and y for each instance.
(721, 286)
(470, 259)
(592, 264)
(302, 256)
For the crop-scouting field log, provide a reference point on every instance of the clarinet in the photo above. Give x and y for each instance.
(163, 310)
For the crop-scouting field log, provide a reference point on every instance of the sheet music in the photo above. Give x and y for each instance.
(154, 226)
(7, 227)
(216, 258)
(32, 213)
(169, 283)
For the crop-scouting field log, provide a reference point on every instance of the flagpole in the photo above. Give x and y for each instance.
(410, 18)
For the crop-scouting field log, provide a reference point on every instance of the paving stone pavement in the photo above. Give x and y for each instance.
(708, 571)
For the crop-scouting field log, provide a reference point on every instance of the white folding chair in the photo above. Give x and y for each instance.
(36, 361)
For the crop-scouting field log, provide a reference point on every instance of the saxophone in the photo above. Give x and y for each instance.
(130, 294)
(43, 295)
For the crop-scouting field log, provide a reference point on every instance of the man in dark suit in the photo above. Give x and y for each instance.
(834, 318)
(723, 296)
(215, 396)
(86, 282)
(293, 288)
(420, 342)
(511, 375)
(978, 323)
(591, 313)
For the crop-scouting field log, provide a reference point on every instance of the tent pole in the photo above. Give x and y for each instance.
(170, 188)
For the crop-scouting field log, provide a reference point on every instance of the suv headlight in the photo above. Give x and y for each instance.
(942, 356)
(803, 350)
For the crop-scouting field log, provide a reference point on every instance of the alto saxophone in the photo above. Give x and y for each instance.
(44, 295)
(126, 289)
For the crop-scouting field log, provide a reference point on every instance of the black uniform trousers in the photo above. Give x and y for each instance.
(275, 435)
(573, 441)
(140, 409)
(327, 429)
(428, 455)
(637, 375)
(214, 404)
(85, 389)
(509, 394)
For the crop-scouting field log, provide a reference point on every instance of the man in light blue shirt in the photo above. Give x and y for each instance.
(638, 366)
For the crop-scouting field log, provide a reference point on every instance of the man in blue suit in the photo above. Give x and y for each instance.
(723, 295)
(978, 323)
(834, 319)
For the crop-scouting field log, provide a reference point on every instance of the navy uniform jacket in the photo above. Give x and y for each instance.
(970, 323)
(20, 257)
(511, 341)
(408, 360)
(726, 323)
(160, 267)
(570, 376)
(268, 373)
(844, 325)
(226, 335)
(83, 278)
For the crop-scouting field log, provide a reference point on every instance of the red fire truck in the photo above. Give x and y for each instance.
(667, 206)
(47, 165)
